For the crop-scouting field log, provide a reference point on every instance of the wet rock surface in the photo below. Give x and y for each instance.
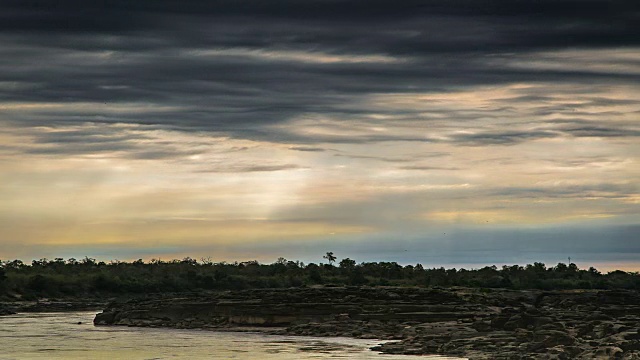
(497, 324)
(10, 308)
(6, 310)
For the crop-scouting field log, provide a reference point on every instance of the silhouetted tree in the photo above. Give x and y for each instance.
(330, 257)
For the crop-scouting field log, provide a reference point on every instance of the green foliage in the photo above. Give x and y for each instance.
(87, 277)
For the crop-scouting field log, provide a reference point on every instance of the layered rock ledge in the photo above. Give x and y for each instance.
(496, 324)
(44, 305)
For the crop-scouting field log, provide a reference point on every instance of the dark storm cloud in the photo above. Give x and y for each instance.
(600, 131)
(238, 67)
(121, 149)
(571, 128)
(101, 140)
(93, 135)
(604, 21)
(503, 137)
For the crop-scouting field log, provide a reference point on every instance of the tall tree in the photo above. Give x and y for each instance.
(330, 257)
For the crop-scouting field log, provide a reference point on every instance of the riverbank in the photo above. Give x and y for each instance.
(71, 335)
(45, 305)
(496, 324)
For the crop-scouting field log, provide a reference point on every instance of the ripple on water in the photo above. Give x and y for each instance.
(59, 336)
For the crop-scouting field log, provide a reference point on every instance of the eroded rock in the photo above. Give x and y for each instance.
(500, 324)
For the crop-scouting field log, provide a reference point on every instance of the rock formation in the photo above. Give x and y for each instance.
(490, 324)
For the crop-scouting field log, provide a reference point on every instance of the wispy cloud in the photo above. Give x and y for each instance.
(306, 118)
(252, 168)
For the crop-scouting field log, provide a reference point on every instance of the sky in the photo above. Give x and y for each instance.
(445, 132)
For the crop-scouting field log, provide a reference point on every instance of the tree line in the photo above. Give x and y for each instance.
(88, 277)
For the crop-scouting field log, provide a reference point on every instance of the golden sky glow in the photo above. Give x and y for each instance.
(213, 191)
(425, 134)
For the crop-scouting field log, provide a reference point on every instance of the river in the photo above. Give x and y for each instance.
(71, 335)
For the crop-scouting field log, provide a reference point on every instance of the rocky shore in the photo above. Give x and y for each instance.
(470, 323)
(9, 308)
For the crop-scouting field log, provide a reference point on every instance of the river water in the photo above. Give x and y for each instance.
(71, 335)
